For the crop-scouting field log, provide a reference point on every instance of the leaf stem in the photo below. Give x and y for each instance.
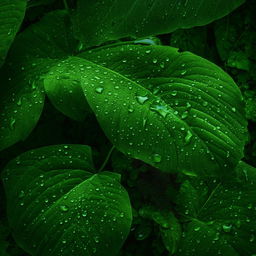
(106, 159)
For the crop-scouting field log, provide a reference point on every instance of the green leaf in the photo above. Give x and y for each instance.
(57, 204)
(170, 228)
(99, 21)
(155, 104)
(21, 102)
(219, 217)
(11, 16)
(22, 97)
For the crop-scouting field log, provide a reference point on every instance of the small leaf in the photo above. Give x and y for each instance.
(57, 204)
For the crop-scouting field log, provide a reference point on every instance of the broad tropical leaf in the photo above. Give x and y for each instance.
(219, 217)
(58, 205)
(166, 108)
(22, 97)
(99, 21)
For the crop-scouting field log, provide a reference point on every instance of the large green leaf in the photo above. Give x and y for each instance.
(32, 53)
(219, 217)
(166, 108)
(100, 21)
(57, 204)
(11, 15)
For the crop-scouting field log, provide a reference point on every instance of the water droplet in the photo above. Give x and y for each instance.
(227, 227)
(184, 115)
(205, 103)
(130, 110)
(160, 109)
(99, 90)
(96, 239)
(12, 123)
(141, 99)
(217, 236)
(64, 208)
(188, 137)
(189, 173)
(157, 158)
(174, 93)
(197, 228)
(21, 194)
(19, 102)
(233, 109)
(154, 61)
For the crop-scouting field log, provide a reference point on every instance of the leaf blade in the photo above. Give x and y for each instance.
(12, 13)
(119, 19)
(63, 206)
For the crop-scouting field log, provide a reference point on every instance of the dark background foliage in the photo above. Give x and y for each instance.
(228, 42)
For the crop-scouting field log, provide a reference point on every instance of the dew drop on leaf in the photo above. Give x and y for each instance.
(21, 194)
(96, 239)
(12, 123)
(64, 208)
(188, 137)
(141, 99)
(227, 227)
(99, 90)
(197, 228)
(157, 158)
(19, 102)
(160, 109)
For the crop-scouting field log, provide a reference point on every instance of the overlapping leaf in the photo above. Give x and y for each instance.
(11, 16)
(99, 21)
(164, 107)
(155, 104)
(57, 204)
(33, 52)
(219, 217)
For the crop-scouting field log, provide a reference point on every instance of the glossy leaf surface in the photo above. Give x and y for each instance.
(99, 21)
(57, 204)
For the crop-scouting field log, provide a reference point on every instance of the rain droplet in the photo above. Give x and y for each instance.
(99, 90)
(227, 227)
(96, 239)
(160, 109)
(141, 99)
(12, 123)
(188, 137)
(64, 208)
(21, 194)
(157, 158)
(19, 102)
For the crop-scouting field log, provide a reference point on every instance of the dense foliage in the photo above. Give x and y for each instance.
(127, 128)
